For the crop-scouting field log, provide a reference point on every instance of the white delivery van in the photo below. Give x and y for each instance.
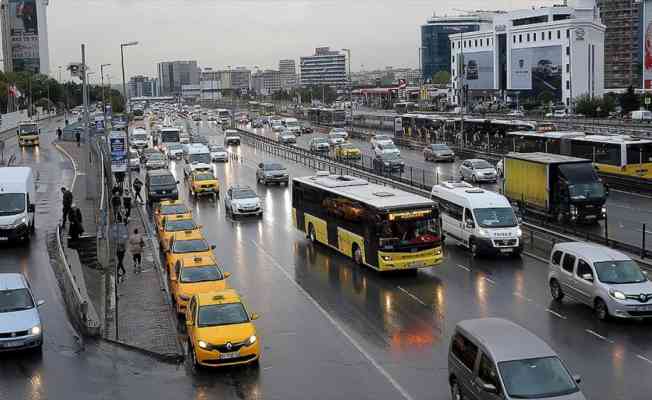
(17, 203)
(292, 125)
(479, 219)
(198, 159)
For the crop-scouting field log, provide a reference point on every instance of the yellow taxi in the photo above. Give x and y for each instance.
(220, 331)
(193, 275)
(174, 223)
(202, 183)
(168, 208)
(347, 151)
(184, 244)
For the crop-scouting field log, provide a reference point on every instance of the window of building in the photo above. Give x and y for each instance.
(568, 50)
(514, 37)
(567, 85)
(476, 43)
(568, 68)
(567, 102)
(567, 33)
(534, 37)
(520, 38)
(487, 41)
(543, 36)
(549, 35)
(465, 44)
(528, 37)
(558, 34)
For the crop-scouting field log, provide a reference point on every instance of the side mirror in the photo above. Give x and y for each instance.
(254, 316)
(213, 247)
(486, 387)
(227, 275)
(577, 378)
(40, 303)
(470, 224)
(587, 277)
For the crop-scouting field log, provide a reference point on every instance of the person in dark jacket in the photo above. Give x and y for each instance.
(76, 228)
(67, 204)
(120, 255)
(138, 184)
(78, 137)
(126, 203)
(59, 133)
(116, 203)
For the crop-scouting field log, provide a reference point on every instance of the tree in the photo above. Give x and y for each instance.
(441, 77)
(594, 107)
(629, 101)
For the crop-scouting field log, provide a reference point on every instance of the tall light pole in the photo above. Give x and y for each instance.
(103, 98)
(126, 96)
(350, 85)
(420, 68)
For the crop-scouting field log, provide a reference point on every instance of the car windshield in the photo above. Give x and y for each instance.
(204, 177)
(502, 217)
(387, 146)
(180, 225)
(244, 194)
(273, 167)
(619, 272)
(481, 164)
(160, 180)
(174, 209)
(338, 135)
(222, 314)
(12, 203)
(401, 233)
(335, 130)
(28, 129)
(583, 182)
(200, 274)
(439, 147)
(189, 246)
(217, 148)
(15, 300)
(536, 378)
(346, 146)
(139, 136)
(155, 157)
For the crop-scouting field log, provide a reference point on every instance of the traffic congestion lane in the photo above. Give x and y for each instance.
(405, 322)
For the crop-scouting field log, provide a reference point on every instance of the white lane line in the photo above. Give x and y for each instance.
(556, 314)
(647, 360)
(467, 269)
(599, 336)
(489, 280)
(517, 294)
(337, 325)
(74, 165)
(413, 297)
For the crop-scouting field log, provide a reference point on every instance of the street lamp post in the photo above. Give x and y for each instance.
(126, 96)
(103, 98)
(350, 85)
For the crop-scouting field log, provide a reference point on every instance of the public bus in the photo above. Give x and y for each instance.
(405, 107)
(28, 133)
(381, 227)
(332, 117)
(169, 135)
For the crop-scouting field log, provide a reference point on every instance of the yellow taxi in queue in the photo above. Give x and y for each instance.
(202, 183)
(193, 275)
(168, 208)
(347, 151)
(220, 331)
(174, 223)
(184, 244)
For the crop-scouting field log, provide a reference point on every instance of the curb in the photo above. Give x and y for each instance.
(167, 358)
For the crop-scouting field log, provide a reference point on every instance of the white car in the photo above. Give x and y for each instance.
(20, 321)
(381, 139)
(174, 151)
(277, 126)
(335, 138)
(242, 201)
(134, 159)
(218, 153)
(139, 138)
(478, 170)
(386, 148)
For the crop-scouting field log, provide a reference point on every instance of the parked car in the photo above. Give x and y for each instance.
(20, 326)
(272, 172)
(242, 201)
(438, 152)
(478, 170)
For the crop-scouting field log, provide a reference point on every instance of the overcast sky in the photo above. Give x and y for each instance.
(218, 33)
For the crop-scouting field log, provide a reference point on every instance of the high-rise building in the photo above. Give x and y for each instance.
(25, 36)
(173, 75)
(267, 82)
(143, 86)
(325, 67)
(288, 70)
(435, 44)
(240, 79)
(622, 42)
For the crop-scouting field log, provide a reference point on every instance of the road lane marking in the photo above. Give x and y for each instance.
(337, 325)
(467, 269)
(556, 314)
(413, 297)
(599, 336)
(647, 360)
(489, 280)
(517, 294)
(74, 165)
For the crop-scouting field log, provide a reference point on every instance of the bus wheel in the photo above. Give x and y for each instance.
(357, 254)
(311, 234)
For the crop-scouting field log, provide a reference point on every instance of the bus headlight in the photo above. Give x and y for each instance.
(387, 258)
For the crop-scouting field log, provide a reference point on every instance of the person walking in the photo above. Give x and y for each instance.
(136, 246)
(126, 203)
(76, 227)
(59, 133)
(121, 249)
(78, 137)
(67, 204)
(116, 203)
(138, 184)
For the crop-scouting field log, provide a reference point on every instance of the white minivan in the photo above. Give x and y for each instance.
(17, 203)
(479, 219)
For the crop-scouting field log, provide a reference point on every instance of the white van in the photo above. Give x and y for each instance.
(479, 219)
(17, 203)
(292, 126)
(198, 158)
(642, 115)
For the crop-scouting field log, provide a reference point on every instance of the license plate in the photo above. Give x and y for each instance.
(228, 356)
(16, 343)
(644, 308)
(416, 265)
(506, 250)
(590, 217)
(2, 238)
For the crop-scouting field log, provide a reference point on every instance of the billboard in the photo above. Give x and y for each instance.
(647, 44)
(23, 32)
(537, 70)
(118, 145)
(479, 70)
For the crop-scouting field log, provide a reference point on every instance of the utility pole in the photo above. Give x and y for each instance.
(103, 98)
(460, 87)
(350, 85)
(85, 92)
(126, 101)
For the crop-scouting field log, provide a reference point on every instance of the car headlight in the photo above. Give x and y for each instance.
(36, 330)
(618, 295)
(483, 232)
(20, 221)
(203, 344)
(438, 251)
(252, 340)
(519, 232)
(387, 258)
(604, 210)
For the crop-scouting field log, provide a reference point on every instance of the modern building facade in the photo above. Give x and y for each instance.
(623, 53)
(240, 79)
(172, 75)
(325, 67)
(143, 86)
(435, 44)
(25, 36)
(266, 82)
(549, 54)
(288, 71)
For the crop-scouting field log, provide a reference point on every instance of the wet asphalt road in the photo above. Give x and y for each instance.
(328, 328)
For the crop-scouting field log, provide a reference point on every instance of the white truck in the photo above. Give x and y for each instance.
(17, 203)
(197, 159)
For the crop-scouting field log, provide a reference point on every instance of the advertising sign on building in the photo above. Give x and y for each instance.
(24, 36)
(118, 143)
(539, 70)
(479, 70)
(647, 44)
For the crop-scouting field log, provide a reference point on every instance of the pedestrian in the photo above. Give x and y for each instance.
(126, 203)
(116, 203)
(121, 249)
(138, 184)
(59, 133)
(67, 204)
(120, 179)
(76, 227)
(136, 246)
(78, 137)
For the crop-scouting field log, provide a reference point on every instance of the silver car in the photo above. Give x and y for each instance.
(20, 322)
(438, 152)
(600, 277)
(478, 170)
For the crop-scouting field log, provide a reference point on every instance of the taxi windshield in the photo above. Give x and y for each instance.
(180, 225)
(189, 246)
(204, 177)
(174, 209)
(222, 314)
(200, 274)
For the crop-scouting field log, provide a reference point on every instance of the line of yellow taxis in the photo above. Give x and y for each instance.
(220, 330)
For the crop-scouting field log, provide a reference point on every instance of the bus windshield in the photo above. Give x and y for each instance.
(400, 233)
(28, 129)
